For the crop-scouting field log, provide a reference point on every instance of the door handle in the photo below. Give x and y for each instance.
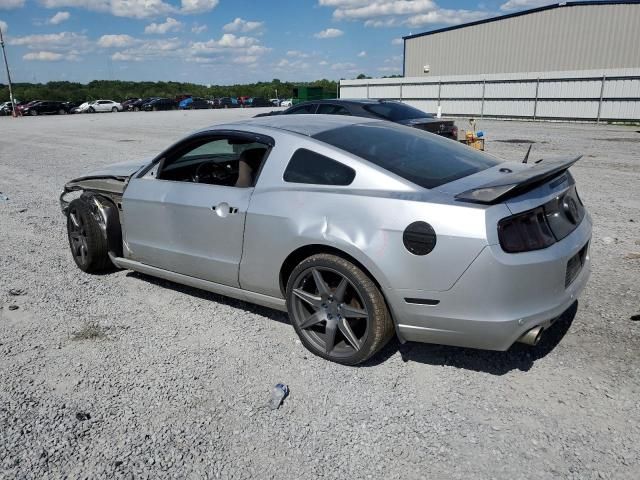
(223, 209)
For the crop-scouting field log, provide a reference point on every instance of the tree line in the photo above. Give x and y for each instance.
(120, 90)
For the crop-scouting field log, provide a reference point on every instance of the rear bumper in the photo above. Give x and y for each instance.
(498, 298)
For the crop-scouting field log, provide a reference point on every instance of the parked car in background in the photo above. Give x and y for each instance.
(128, 102)
(160, 104)
(136, 106)
(257, 102)
(275, 102)
(6, 108)
(227, 102)
(286, 103)
(45, 108)
(100, 106)
(21, 108)
(72, 106)
(390, 110)
(194, 103)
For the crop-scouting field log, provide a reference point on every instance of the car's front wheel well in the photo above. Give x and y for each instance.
(301, 253)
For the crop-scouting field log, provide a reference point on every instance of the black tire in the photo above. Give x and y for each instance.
(62, 112)
(136, 109)
(114, 109)
(33, 113)
(370, 333)
(91, 110)
(86, 241)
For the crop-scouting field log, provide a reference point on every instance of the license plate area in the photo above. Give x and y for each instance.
(575, 264)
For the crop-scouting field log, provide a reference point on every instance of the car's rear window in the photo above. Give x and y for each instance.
(420, 157)
(395, 112)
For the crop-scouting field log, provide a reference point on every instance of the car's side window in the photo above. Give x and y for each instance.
(232, 162)
(309, 167)
(308, 108)
(329, 109)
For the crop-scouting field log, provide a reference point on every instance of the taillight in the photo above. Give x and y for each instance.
(525, 232)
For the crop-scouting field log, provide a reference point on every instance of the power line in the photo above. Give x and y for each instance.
(6, 65)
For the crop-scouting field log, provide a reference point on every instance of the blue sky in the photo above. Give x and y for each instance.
(222, 41)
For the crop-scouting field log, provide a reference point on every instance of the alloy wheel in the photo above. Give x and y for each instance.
(78, 237)
(330, 312)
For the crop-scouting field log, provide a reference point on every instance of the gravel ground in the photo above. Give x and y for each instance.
(125, 376)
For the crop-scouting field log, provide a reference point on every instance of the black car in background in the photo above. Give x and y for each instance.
(258, 102)
(46, 108)
(129, 102)
(158, 104)
(136, 105)
(390, 110)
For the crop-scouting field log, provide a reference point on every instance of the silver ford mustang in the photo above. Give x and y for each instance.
(360, 229)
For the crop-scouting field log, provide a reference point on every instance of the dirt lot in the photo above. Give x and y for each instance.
(124, 376)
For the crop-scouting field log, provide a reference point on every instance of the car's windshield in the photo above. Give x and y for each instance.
(420, 157)
(395, 111)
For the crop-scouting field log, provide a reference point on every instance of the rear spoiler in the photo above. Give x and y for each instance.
(515, 183)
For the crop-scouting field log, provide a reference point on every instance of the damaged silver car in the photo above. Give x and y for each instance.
(360, 229)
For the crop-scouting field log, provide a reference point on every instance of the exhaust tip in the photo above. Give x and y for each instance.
(532, 337)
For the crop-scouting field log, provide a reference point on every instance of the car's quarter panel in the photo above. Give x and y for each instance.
(365, 220)
(182, 227)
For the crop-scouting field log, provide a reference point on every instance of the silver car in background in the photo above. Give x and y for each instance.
(359, 228)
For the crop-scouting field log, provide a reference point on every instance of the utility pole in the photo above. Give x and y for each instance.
(6, 64)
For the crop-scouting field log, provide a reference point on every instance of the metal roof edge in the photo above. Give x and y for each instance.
(524, 12)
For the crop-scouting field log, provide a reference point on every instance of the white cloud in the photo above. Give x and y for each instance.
(241, 25)
(297, 54)
(397, 13)
(343, 66)
(397, 41)
(4, 27)
(170, 25)
(150, 49)
(43, 56)
(11, 4)
(522, 4)
(125, 57)
(65, 41)
(245, 59)
(134, 8)
(198, 28)
(329, 33)
(116, 41)
(286, 64)
(362, 54)
(59, 18)
(197, 6)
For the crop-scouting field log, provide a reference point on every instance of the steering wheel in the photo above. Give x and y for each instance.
(207, 171)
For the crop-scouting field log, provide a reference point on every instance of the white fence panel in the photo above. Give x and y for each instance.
(384, 91)
(461, 90)
(570, 89)
(509, 108)
(428, 90)
(510, 90)
(577, 95)
(430, 106)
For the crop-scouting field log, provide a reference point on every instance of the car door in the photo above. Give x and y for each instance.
(195, 229)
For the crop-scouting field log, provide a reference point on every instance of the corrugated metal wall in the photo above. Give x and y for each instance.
(579, 37)
(575, 95)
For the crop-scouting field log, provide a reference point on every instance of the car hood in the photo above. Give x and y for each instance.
(120, 170)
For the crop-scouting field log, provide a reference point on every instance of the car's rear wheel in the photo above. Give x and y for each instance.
(114, 110)
(33, 113)
(62, 111)
(91, 110)
(337, 310)
(87, 243)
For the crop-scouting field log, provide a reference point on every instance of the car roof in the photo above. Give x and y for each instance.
(349, 101)
(304, 124)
